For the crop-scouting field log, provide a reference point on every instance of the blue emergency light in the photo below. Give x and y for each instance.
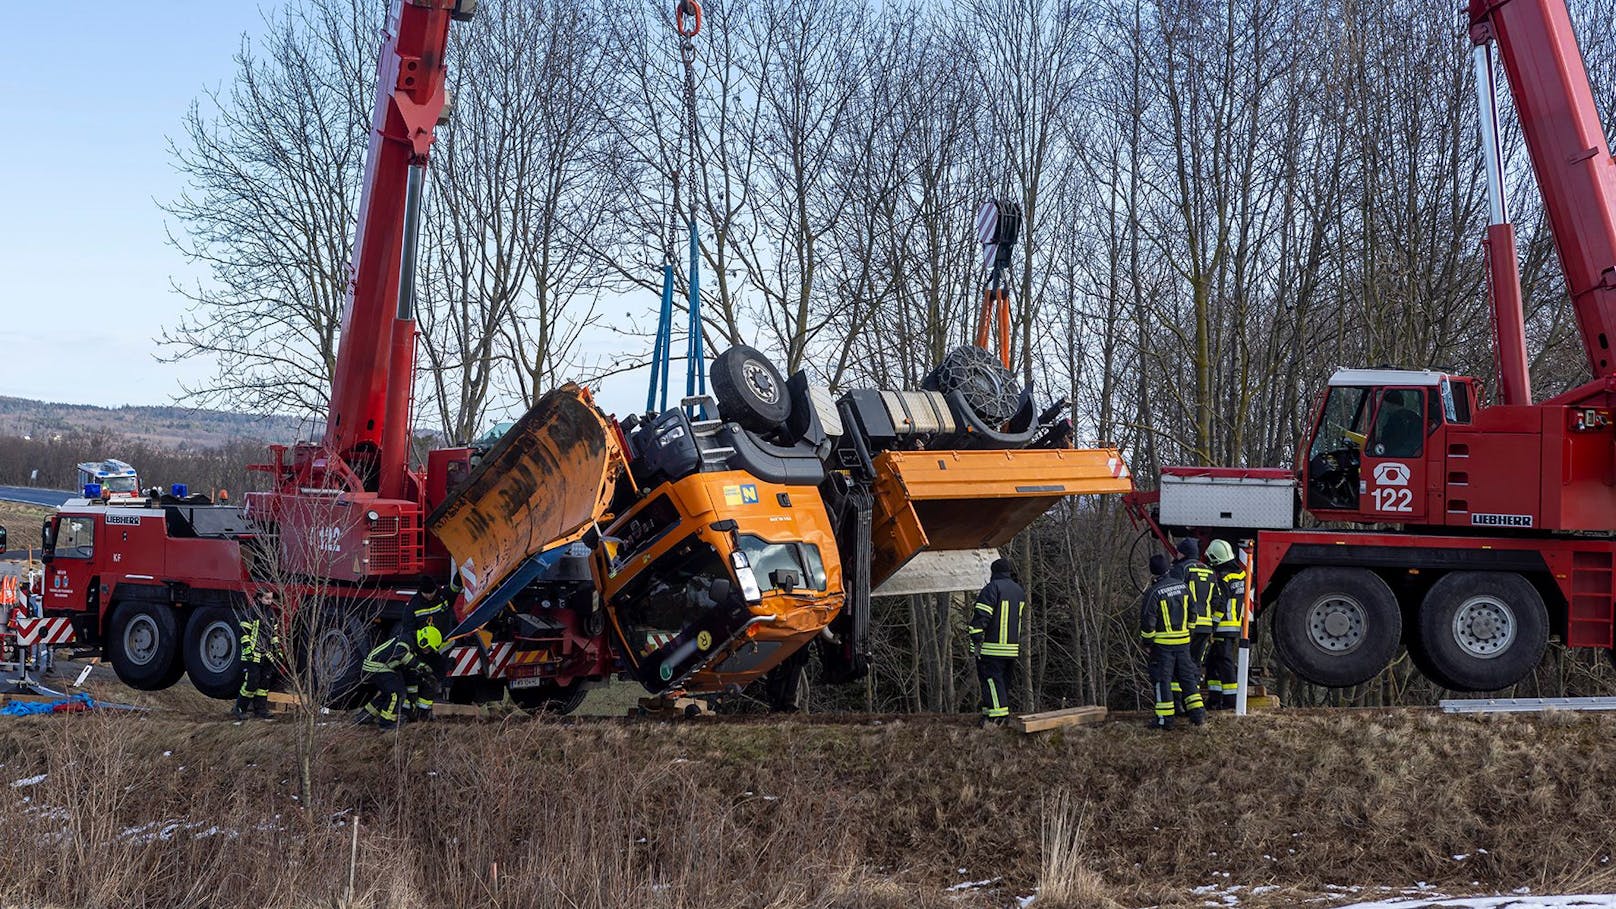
(92, 490)
(178, 490)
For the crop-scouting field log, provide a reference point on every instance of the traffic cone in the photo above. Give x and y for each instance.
(8, 591)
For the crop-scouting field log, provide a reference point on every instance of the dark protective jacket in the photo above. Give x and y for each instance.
(996, 620)
(260, 640)
(423, 610)
(1202, 582)
(1164, 612)
(1231, 598)
(392, 655)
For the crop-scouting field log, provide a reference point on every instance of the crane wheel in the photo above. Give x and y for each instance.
(213, 652)
(549, 699)
(1483, 630)
(750, 390)
(331, 666)
(1337, 627)
(143, 645)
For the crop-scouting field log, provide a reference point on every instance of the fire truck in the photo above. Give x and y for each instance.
(698, 549)
(1482, 531)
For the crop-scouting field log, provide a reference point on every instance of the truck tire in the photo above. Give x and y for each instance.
(750, 390)
(1483, 630)
(335, 657)
(1420, 656)
(1337, 627)
(143, 645)
(213, 652)
(549, 699)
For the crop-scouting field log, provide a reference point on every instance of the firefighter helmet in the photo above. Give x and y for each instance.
(429, 638)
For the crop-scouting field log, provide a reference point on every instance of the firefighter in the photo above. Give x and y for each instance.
(995, 638)
(428, 607)
(389, 666)
(1222, 676)
(260, 649)
(1164, 627)
(1202, 582)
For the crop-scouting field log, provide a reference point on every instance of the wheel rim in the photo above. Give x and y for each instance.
(758, 379)
(1337, 623)
(218, 647)
(332, 657)
(140, 640)
(1484, 626)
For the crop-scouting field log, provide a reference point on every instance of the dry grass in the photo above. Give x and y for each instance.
(22, 523)
(177, 809)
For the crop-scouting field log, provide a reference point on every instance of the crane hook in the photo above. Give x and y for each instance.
(691, 9)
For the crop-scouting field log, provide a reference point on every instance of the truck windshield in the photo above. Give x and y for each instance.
(75, 537)
(1344, 422)
(119, 484)
(669, 594)
(801, 559)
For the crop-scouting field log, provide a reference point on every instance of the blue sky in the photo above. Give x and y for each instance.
(93, 90)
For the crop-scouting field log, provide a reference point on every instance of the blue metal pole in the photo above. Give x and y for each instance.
(662, 350)
(695, 369)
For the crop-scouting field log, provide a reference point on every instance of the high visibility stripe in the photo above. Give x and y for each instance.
(1164, 708)
(1194, 702)
(1004, 621)
(1001, 649)
(984, 607)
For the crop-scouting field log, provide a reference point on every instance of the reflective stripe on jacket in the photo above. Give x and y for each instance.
(1233, 597)
(390, 655)
(1164, 616)
(1202, 582)
(996, 619)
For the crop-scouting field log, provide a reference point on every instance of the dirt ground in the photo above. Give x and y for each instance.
(175, 805)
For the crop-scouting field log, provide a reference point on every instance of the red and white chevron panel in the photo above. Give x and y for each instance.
(468, 661)
(43, 631)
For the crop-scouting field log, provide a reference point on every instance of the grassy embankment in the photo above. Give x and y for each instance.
(177, 808)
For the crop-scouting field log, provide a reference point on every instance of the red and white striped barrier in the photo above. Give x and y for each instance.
(468, 661)
(31, 631)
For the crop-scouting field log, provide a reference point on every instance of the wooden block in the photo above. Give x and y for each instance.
(1056, 719)
(1264, 702)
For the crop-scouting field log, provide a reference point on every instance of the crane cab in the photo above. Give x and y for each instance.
(1379, 448)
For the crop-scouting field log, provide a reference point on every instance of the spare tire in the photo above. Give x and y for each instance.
(750, 390)
(989, 389)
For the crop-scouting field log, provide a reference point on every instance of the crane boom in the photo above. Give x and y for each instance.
(368, 426)
(1571, 159)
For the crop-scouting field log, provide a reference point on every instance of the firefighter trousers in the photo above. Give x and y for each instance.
(1222, 675)
(389, 694)
(994, 674)
(1173, 666)
(257, 676)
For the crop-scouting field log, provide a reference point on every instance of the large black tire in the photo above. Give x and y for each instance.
(213, 652)
(143, 644)
(1483, 630)
(1337, 627)
(338, 652)
(549, 699)
(786, 686)
(1421, 658)
(750, 390)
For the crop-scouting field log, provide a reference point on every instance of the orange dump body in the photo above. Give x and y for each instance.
(929, 501)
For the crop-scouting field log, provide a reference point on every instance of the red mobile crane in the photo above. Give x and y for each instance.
(1507, 513)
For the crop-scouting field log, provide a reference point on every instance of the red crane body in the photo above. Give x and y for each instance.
(362, 464)
(1502, 518)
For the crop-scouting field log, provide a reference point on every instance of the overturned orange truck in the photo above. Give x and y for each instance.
(720, 543)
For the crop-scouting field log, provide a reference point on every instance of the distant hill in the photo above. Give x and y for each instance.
(165, 426)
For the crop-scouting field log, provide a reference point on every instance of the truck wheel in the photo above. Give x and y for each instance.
(335, 657)
(213, 652)
(1337, 627)
(549, 699)
(1483, 630)
(1419, 654)
(750, 390)
(143, 644)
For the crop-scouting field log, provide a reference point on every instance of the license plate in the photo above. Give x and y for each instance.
(523, 672)
(530, 682)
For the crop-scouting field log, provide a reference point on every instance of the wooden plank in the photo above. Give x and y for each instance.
(1264, 702)
(1056, 719)
(282, 702)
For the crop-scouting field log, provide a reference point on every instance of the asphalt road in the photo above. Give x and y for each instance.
(50, 498)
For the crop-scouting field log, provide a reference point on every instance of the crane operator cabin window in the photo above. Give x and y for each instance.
(1399, 424)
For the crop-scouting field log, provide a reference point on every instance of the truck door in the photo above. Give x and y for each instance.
(1392, 477)
(70, 556)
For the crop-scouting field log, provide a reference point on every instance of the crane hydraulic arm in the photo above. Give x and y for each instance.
(1572, 162)
(368, 426)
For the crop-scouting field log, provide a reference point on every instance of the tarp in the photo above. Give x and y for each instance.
(75, 704)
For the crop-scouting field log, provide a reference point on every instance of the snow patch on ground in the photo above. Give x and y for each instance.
(1518, 900)
(28, 781)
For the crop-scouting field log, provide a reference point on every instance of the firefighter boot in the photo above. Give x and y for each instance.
(261, 707)
(240, 710)
(1161, 722)
(1198, 716)
(365, 718)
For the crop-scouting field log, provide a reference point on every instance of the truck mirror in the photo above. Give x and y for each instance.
(784, 580)
(47, 534)
(2, 538)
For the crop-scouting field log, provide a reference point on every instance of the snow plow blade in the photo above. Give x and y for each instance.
(931, 501)
(544, 483)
